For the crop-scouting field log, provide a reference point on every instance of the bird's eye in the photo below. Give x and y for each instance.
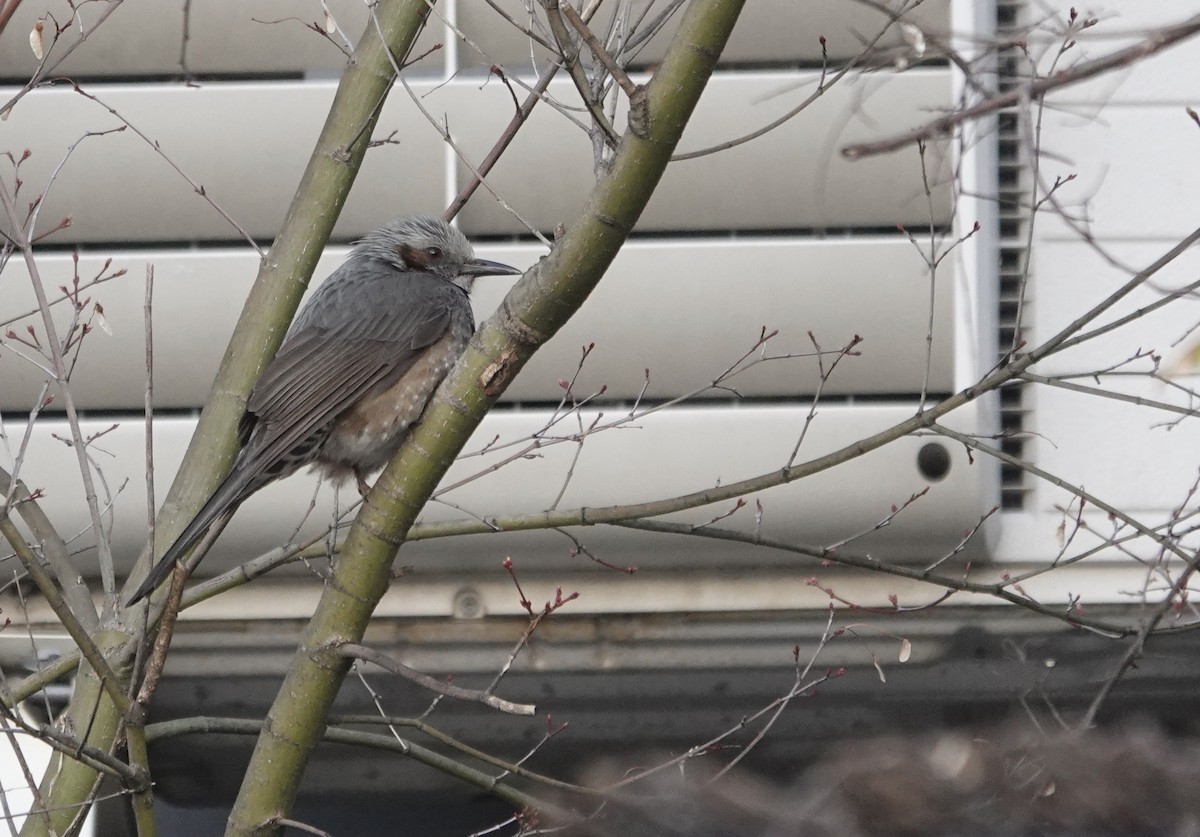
(434, 253)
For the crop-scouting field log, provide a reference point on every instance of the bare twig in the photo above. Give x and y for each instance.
(1099, 392)
(44, 69)
(13, 722)
(598, 50)
(355, 651)
(148, 310)
(288, 822)
(7, 9)
(823, 86)
(783, 703)
(708, 746)
(53, 548)
(162, 640)
(476, 778)
(570, 56)
(61, 378)
(198, 188)
(823, 378)
(509, 132)
(82, 638)
(943, 125)
(998, 590)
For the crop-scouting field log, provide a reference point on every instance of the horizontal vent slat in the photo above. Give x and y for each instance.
(255, 37)
(685, 310)
(247, 145)
(658, 456)
(793, 177)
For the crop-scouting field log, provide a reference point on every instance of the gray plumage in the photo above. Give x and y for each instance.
(356, 368)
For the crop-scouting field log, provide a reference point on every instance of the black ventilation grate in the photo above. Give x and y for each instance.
(1014, 200)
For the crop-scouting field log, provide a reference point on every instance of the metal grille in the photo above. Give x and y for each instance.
(1014, 200)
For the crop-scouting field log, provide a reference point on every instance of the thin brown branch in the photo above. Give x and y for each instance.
(465, 749)
(1165, 541)
(82, 638)
(1176, 593)
(61, 376)
(510, 130)
(1035, 90)
(823, 87)
(570, 57)
(520, 27)
(148, 317)
(1099, 392)
(443, 130)
(999, 590)
(53, 548)
(198, 188)
(66, 297)
(506, 137)
(354, 651)
(823, 375)
(801, 674)
(797, 689)
(10, 732)
(616, 70)
(44, 70)
(162, 640)
(780, 476)
(7, 10)
(476, 778)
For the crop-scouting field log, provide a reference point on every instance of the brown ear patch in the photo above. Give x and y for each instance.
(414, 257)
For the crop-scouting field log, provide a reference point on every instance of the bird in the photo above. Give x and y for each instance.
(355, 370)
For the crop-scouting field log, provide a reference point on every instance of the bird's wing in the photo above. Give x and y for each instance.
(359, 336)
(363, 328)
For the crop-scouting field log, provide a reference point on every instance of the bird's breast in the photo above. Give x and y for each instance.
(366, 436)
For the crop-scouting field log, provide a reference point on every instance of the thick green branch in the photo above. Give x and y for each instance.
(541, 303)
(284, 275)
(282, 278)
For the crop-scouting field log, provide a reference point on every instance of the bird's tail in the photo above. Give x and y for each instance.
(238, 485)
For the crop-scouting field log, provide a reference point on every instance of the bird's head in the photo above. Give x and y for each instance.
(430, 245)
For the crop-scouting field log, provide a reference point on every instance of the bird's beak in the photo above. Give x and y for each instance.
(483, 267)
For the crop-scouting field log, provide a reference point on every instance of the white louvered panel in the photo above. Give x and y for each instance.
(1127, 140)
(229, 37)
(1150, 474)
(660, 455)
(1107, 149)
(1135, 458)
(784, 31)
(223, 38)
(1151, 471)
(1077, 278)
(793, 177)
(686, 310)
(248, 143)
(1124, 23)
(197, 299)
